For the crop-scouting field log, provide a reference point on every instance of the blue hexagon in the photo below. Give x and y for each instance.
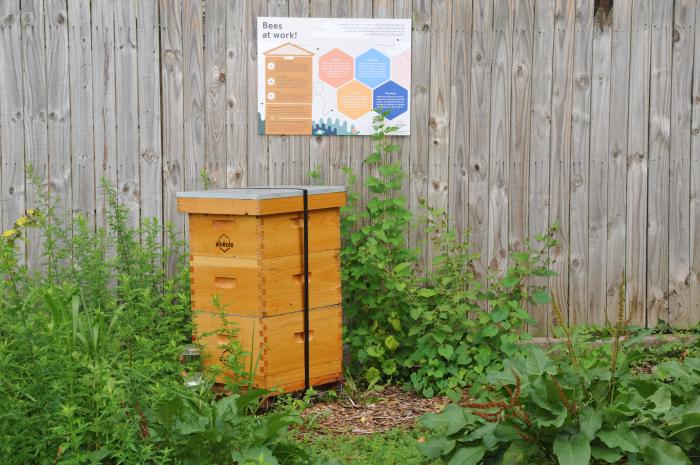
(372, 68)
(390, 97)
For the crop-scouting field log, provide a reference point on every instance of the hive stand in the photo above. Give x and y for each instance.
(246, 247)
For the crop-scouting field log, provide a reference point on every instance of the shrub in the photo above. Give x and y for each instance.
(587, 406)
(431, 331)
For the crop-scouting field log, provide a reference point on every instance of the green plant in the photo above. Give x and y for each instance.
(428, 330)
(89, 349)
(585, 406)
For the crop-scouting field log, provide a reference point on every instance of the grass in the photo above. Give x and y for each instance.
(394, 447)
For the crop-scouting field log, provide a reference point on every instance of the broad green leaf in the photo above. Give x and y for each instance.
(389, 367)
(434, 448)
(541, 297)
(590, 421)
(509, 282)
(661, 452)
(446, 351)
(622, 437)
(468, 456)
(451, 420)
(518, 452)
(391, 343)
(686, 422)
(600, 452)
(426, 292)
(661, 399)
(572, 450)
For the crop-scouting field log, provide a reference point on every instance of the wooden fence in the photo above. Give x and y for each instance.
(524, 112)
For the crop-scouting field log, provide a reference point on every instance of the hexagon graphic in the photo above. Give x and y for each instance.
(372, 68)
(401, 68)
(335, 67)
(391, 97)
(354, 99)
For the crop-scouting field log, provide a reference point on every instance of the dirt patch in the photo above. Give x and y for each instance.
(375, 412)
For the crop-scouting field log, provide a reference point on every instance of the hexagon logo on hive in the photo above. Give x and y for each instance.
(354, 99)
(335, 67)
(223, 243)
(391, 97)
(372, 68)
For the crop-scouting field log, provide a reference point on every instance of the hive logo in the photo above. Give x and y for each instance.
(223, 243)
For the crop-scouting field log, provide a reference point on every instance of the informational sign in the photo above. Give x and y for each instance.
(325, 76)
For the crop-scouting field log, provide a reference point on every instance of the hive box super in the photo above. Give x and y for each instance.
(246, 248)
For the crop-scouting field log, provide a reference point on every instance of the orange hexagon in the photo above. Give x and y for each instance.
(335, 67)
(354, 99)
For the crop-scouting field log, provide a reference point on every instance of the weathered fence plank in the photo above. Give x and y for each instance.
(598, 168)
(659, 137)
(193, 92)
(11, 115)
(679, 193)
(580, 158)
(237, 114)
(694, 310)
(540, 141)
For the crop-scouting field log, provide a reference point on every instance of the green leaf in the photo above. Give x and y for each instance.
(661, 452)
(541, 297)
(590, 421)
(509, 282)
(489, 331)
(468, 456)
(446, 351)
(391, 343)
(622, 437)
(389, 367)
(661, 399)
(451, 420)
(599, 452)
(518, 452)
(686, 422)
(572, 450)
(434, 448)
(426, 292)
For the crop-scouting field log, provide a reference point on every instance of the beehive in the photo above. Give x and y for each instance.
(246, 249)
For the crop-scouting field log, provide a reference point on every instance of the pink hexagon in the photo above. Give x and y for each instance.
(354, 99)
(401, 68)
(335, 67)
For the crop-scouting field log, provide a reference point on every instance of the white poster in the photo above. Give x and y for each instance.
(324, 76)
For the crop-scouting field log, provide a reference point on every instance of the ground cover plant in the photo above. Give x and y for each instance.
(89, 347)
(588, 405)
(432, 331)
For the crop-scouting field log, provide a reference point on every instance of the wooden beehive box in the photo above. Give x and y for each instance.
(246, 249)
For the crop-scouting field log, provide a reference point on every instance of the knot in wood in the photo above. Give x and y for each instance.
(583, 81)
(60, 19)
(149, 154)
(478, 57)
(425, 27)
(221, 77)
(27, 19)
(676, 35)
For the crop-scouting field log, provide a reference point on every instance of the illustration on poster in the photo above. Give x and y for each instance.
(319, 76)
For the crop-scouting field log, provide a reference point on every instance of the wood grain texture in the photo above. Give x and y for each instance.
(81, 109)
(520, 120)
(480, 111)
(439, 120)
(679, 192)
(236, 94)
(215, 91)
(172, 114)
(560, 159)
(637, 162)
(104, 108)
(617, 152)
(694, 311)
(659, 153)
(12, 202)
(258, 164)
(540, 139)
(149, 108)
(33, 17)
(125, 66)
(499, 137)
(580, 162)
(58, 107)
(193, 93)
(598, 168)
(460, 86)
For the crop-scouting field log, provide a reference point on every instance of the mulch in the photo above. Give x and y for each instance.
(374, 412)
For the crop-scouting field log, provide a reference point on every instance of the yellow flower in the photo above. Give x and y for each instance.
(31, 212)
(21, 221)
(10, 233)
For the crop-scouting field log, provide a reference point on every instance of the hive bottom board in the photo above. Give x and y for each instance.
(277, 346)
